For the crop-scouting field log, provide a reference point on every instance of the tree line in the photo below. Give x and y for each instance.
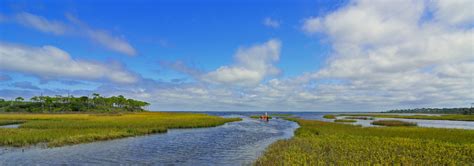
(465, 111)
(58, 103)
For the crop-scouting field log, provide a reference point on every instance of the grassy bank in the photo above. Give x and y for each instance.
(345, 120)
(329, 116)
(63, 129)
(455, 117)
(393, 123)
(327, 143)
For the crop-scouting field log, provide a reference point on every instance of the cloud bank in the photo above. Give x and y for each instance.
(49, 62)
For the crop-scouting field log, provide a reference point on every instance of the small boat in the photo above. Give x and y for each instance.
(265, 117)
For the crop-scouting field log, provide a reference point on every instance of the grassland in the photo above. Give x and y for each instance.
(345, 120)
(455, 117)
(329, 116)
(64, 129)
(360, 117)
(10, 122)
(393, 123)
(327, 143)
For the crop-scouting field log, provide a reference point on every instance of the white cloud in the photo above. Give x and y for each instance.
(389, 54)
(111, 42)
(102, 37)
(79, 28)
(252, 65)
(269, 22)
(49, 62)
(312, 25)
(386, 55)
(41, 23)
(454, 11)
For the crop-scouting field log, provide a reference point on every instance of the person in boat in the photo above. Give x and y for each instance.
(264, 117)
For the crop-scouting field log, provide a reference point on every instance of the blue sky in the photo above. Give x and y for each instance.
(242, 55)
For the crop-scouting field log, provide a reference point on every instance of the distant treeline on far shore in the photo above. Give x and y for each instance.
(58, 103)
(465, 111)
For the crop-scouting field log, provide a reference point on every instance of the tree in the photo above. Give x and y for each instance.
(19, 99)
(35, 99)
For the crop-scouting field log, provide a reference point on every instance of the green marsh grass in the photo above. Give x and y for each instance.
(10, 122)
(329, 116)
(345, 120)
(359, 117)
(393, 123)
(327, 143)
(64, 129)
(454, 117)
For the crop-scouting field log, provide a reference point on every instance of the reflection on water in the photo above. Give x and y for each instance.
(12, 126)
(236, 143)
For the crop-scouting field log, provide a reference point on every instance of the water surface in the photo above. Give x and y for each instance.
(235, 143)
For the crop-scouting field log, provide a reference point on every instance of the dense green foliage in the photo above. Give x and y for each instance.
(465, 111)
(393, 123)
(63, 129)
(455, 117)
(329, 116)
(345, 120)
(73, 104)
(327, 143)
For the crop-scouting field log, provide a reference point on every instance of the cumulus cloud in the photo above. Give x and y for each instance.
(391, 54)
(252, 65)
(454, 12)
(385, 55)
(49, 62)
(272, 23)
(41, 23)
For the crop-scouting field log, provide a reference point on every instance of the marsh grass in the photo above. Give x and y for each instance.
(10, 122)
(393, 123)
(329, 116)
(454, 117)
(327, 143)
(345, 120)
(64, 129)
(360, 117)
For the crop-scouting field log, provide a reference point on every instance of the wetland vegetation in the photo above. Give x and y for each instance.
(345, 120)
(64, 129)
(456, 117)
(328, 143)
(393, 123)
(329, 116)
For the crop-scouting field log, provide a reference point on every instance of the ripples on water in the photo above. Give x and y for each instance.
(236, 143)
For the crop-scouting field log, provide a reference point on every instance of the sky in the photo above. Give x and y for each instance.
(308, 55)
